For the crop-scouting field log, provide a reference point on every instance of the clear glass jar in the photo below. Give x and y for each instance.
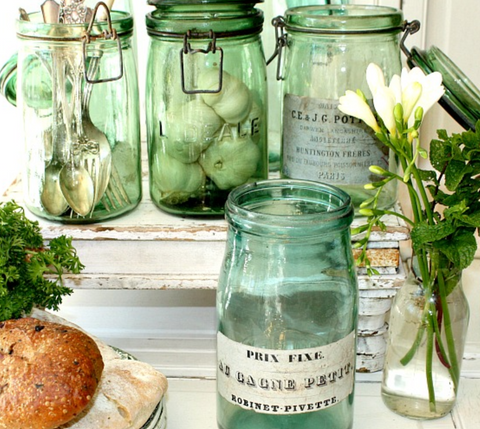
(206, 103)
(421, 373)
(287, 305)
(77, 92)
(326, 51)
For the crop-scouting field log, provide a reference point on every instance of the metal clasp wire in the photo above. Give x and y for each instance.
(281, 43)
(109, 34)
(213, 48)
(409, 28)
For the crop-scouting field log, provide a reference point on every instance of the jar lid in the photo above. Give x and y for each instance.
(462, 98)
(344, 19)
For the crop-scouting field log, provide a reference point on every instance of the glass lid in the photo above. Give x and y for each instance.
(462, 98)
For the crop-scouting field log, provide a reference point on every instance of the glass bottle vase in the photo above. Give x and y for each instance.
(425, 347)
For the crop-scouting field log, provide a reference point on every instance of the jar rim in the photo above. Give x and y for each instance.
(169, 24)
(35, 28)
(348, 19)
(309, 206)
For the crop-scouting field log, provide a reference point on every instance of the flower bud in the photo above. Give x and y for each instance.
(375, 169)
(366, 212)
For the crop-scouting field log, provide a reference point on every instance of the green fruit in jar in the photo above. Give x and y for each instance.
(190, 130)
(233, 102)
(176, 180)
(230, 162)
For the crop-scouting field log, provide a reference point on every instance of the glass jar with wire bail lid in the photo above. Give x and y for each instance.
(205, 102)
(74, 81)
(322, 52)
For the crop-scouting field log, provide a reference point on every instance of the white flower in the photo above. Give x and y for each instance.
(432, 89)
(355, 105)
(396, 87)
(410, 96)
(375, 78)
(384, 102)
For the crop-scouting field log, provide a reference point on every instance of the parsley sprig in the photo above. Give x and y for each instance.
(31, 272)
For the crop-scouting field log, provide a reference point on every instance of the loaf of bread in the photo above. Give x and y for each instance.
(49, 373)
(127, 395)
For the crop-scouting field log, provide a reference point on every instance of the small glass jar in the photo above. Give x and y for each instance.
(206, 103)
(287, 305)
(326, 51)
(75, 86)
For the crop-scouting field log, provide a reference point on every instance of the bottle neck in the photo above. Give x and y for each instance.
(289, 209)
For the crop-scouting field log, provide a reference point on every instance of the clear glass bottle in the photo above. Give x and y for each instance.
(413, 355)
(206, 103)
(75, 86)
(287, 308)
(326, 51)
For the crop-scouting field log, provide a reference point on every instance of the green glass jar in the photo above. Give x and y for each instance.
(326, 51)
(75, 86)
(205, 102)
(287, 308)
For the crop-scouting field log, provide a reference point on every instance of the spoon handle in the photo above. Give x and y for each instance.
(50, 11)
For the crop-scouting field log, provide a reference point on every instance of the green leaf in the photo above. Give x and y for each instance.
(472, 220)
(454, 174)
(440, 154)
(428, 175)
(460, 249)
(423, 233)
(442, 134)
(24, 259)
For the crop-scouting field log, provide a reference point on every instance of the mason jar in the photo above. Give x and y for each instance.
(324, 51)
(75, 87)
(287, 308)
(205, 103)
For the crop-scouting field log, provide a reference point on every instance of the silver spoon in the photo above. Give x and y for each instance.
(103, 163)
(52, 197)
(75, 181)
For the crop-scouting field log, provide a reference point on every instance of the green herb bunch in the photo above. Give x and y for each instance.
(30, 272)
(444, 200)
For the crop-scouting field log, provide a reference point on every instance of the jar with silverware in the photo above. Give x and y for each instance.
(74, 82)
(206, 103)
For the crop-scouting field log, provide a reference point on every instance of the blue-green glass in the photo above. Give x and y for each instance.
(287, 283)
(82, 140)
(202, 144)
(328, 51)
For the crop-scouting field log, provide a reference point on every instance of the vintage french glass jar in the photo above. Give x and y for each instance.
(324, 51)
(75, 86)
(206, 103)
(287, 308)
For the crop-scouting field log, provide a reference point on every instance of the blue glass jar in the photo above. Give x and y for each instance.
(287, 308)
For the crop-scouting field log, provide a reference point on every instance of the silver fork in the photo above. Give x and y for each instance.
(115, 196)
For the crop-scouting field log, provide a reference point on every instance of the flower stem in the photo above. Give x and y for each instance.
(454, 368)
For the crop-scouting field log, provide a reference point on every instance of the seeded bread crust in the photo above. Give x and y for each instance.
(48, 373)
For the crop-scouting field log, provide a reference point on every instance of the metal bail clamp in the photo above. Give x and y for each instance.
(108, 34)
(281, 43)
(213, 48)
(408, 28)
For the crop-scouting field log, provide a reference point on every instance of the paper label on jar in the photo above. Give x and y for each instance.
(321, 143)
(284, 382)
